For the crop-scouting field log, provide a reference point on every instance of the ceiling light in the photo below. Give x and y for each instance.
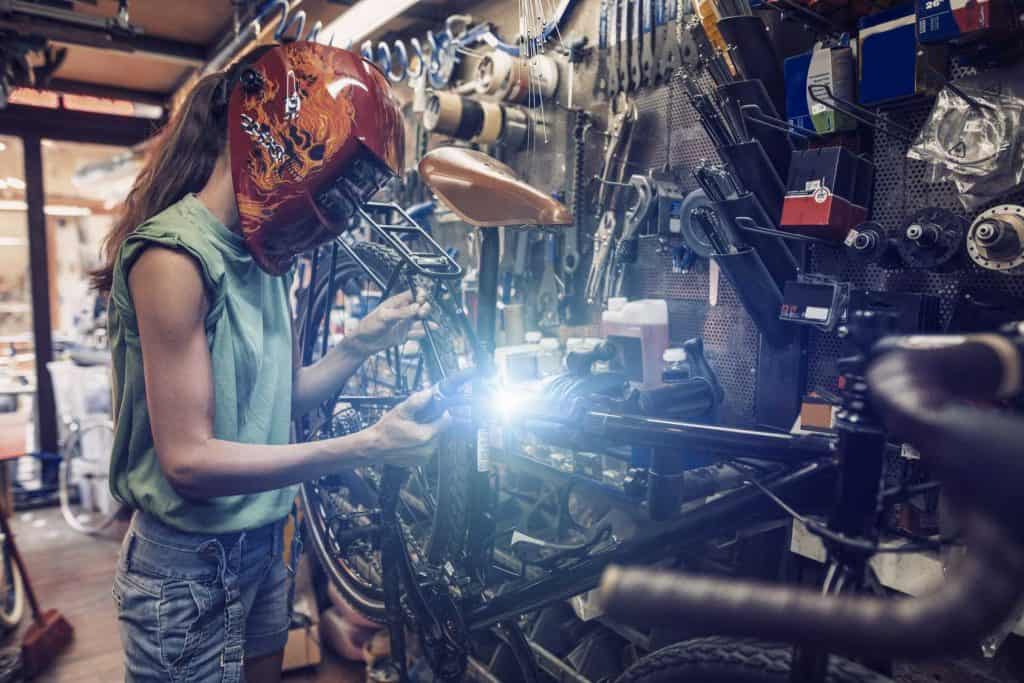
(15, 183)
(363, 19)
(13, 205)
(3, 146)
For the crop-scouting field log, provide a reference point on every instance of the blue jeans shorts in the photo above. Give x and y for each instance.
(194, 607)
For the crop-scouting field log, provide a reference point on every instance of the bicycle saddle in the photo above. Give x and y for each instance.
(485, 192)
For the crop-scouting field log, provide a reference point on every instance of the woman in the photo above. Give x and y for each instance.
(259, 164)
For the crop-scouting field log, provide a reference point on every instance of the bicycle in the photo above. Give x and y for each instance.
(422, 548)
(921, 386)
(86, 439)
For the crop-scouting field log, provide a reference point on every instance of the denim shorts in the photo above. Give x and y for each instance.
(193, 607)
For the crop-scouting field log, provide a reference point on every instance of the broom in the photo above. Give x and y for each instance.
(49, 633)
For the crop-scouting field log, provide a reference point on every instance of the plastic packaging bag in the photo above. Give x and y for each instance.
(979, 144)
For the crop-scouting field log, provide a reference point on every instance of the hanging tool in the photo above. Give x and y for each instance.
(601, 82)
(625, 249)
(550, 290)
(635, 37)
(620, 134)
(570, 260)
(660, 36)
(623, 26)
(612, 18)
(669, 58)
(650, 71)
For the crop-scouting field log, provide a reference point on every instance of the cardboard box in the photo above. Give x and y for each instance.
(892, 67)
(832, 67)
(303, 648)
(962, 21)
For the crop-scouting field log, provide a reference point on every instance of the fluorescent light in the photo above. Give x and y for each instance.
(15, 183)
(3, 184)
(3, 146)
(363, 19)
(64, 210)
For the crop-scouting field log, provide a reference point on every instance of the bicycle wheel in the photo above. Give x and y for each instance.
(84, 478)
(717, 659)
(12, 592)
(433, 503)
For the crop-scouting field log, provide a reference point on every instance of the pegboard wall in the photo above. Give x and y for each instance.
(731, 339)
(900, 189)
(668, 133)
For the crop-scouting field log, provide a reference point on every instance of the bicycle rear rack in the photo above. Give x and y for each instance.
(433, 262)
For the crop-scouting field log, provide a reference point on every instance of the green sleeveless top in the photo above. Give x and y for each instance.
(248, 328)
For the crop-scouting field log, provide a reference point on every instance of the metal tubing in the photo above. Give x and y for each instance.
(39, 272)
(487, 296)
(724, 441)
(719, 517)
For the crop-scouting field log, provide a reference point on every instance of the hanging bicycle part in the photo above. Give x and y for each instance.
(996, 239)
(931, 239)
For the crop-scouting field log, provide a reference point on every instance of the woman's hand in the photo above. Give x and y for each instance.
(391, 323)
(399, 439)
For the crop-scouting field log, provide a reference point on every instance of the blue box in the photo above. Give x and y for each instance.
(891, 66)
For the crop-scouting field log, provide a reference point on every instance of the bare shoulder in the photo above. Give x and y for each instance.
(167, 289)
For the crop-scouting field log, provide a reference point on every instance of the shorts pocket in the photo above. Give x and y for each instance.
(185, 614)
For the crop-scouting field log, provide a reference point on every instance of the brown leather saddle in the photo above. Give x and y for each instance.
(485, 192)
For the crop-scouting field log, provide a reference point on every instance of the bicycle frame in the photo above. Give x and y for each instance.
(815, 467)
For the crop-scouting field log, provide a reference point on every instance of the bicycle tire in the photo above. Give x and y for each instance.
(95, 521)
(454, 464)
(718, 659)
(12, 592)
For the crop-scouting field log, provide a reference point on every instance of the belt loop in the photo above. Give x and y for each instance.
(128, 548)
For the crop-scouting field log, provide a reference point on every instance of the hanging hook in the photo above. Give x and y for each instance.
(754, 113)
(877, 121)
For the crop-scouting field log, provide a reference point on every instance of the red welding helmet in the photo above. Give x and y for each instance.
(314, 133)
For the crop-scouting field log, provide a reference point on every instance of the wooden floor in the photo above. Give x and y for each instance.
(73, 573)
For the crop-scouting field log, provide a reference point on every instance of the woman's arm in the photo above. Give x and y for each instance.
(179, 394)
(390, 324)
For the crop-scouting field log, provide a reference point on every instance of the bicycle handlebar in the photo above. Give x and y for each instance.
(915, 384)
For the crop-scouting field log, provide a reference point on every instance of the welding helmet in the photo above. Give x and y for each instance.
(314, 133)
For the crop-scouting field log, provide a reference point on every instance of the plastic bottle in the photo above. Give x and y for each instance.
(640, 330)
(676, 368)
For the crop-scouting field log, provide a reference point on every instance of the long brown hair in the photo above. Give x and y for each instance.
(181, 160)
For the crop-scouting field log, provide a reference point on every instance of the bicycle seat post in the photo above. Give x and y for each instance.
(487, 194)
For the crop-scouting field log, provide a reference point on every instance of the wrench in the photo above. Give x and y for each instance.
(670, 59)
(601, 84)
(623, 24)
(660, 35)
(635, 38)
(614, 75)
(650, 66)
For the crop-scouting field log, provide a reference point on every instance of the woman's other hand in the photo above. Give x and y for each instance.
(399, 439)
(391, 323)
